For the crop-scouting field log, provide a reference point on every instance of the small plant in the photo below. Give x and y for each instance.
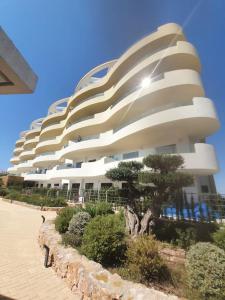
(3, 191)
(64, 217)
(219, 237)
(78, 223)
(14, 195)
(104, 240)
(143, 260)
(98, 209)
(70, 239)
(186, 237)
(206, 271)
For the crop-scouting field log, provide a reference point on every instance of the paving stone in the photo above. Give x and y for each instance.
(22, 274)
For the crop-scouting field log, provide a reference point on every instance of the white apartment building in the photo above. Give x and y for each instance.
(150, 100)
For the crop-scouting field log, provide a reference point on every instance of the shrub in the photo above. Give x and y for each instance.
(185, 237)
(103, 240)
(171, 231)
(3, 191)
(64, 217)
(14, 195)
(78, 223)
(219, 237)
(98, 209)
(70, 239)
(143, 260)
(206, 270)
(54, 202)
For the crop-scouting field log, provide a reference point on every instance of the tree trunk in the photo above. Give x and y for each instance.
(132, 221)
(134, 226)
(148, 216)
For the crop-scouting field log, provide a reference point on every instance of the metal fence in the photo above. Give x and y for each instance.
(182, 206)
(196, 207)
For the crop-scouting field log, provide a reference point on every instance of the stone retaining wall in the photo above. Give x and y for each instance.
(173, 256)
(44, 208)
(88, 279)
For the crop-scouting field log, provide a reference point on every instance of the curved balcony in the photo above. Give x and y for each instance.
(202, 161)
(58, 106)
(185, 84)
(91, 77)
(165, 36)
(27, 155)
(31, 143)
(18, 150)
(25, 166)
(45, 160)
(20, 142)
(13, 170)
(15, 160)
(198, 120)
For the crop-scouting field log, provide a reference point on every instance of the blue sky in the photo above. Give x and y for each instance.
(64, 39)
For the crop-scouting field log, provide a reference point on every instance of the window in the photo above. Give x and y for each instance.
(79, 164)
(41, 185)
(65, 186)
(124, 185)
(75, 186)
(106, 185)
(89, 186)
(168, 149)
(56, 185)
(49, 185)
(205, 188)
(130, 155)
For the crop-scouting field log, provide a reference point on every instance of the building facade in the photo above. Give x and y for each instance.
(150, 100)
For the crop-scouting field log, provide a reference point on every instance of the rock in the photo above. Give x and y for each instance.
(88, 279)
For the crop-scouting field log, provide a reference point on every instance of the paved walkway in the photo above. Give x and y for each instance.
(22, 274)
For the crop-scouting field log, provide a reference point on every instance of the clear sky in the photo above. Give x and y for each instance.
(64, 39)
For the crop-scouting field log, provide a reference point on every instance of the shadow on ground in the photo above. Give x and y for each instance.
(6, 298)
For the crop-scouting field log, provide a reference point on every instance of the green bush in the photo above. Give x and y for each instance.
(174, 232)
(206, 270)
(219, 237)
(185, 237)
(54, 202)
(14, 195)
(98, 208)
(78, 223)
(64, 217)
(143, 260)
(104, 240)
(3, 191)
(70, 239)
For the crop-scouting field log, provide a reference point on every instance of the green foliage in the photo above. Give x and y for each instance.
(64, 217)
(163, 163)
(186, 237)
(3, 191)
(143, 260)
(13, 195)
(35, 199)
(164, 181)
(206, 271)
(219, 237)
(78, 223)
(103, 240)
(126, 171)
(184, 233)
(70, 239)
(98, 208)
